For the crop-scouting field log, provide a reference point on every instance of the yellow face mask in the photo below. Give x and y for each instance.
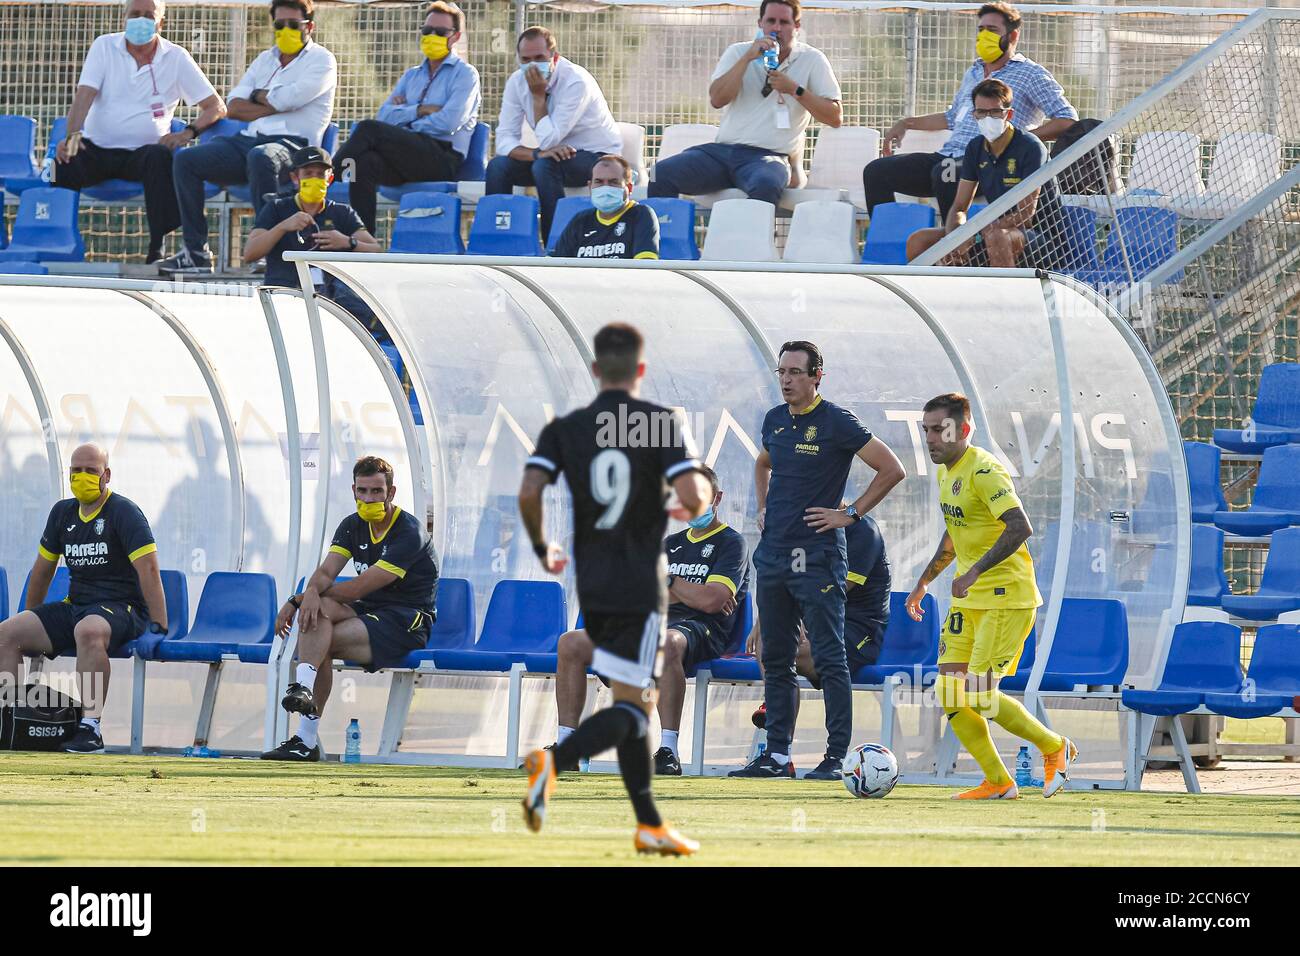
(289, 41)
(312, 190)
(988, 46)
(371, 511)
(85, 488)
(434, 47)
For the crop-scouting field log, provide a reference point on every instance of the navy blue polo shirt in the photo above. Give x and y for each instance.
(811, 454)
(999, 174)
(335, 216)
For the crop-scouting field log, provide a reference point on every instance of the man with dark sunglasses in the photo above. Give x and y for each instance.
(423, 130)
(286, 96)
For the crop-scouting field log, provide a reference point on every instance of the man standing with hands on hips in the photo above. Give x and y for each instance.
(808, 448)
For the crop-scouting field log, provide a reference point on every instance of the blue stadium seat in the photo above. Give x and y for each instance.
(1276, 416)
(472, 170)
(46, 228)
(23, 268)
(17, 148)
(428, 223)
(523, 617)
(1279, 589)
(891, 224)
(1272, 679)
(235, 608)
(1090, 646)
(1080, 235)
(57, 591)
(1150, 238)
(565, 209)
(454, 628)
(676, 228)
(4, 595)
(1276, 502)
(1204, 658)
(1203, 474)
(505, 225)
(907, 644)
(110, 190)
(735, 668)
(1207, 584)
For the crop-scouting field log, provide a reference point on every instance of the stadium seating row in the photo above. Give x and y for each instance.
(1203, 676)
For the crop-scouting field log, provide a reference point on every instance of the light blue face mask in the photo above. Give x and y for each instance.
(545, 68)
(608, 199)
(140, 30)
(703, 521)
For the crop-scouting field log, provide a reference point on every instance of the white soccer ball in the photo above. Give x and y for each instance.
(870, 771)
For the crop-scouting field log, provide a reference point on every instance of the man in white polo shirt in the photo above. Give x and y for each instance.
(563, 104)
(119, 126)
(765, 112)
(286, 96)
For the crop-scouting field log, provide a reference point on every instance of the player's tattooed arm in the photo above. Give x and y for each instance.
(1016, 533)
(942, 558)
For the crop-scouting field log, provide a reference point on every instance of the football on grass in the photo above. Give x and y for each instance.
(870, 771)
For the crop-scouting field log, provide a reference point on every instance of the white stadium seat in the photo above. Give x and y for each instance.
(1165, 165)
(1244, 164)
(822, 232)
(741, 230)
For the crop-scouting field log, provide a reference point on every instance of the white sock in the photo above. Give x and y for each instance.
(782, 759)
(563, 734)
(668, 738)
(91, 722)
(309, 730)
(306, 675)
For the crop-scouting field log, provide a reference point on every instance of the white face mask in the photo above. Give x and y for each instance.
(991, 127)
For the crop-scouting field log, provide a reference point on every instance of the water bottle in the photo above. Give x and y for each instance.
(584, 765)
(352, 753)
(771, 58)
(760, 744)
(1024, 768)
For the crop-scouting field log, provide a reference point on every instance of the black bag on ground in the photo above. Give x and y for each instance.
(41, 720)
(1092, 174)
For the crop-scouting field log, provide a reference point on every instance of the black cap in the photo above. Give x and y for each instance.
(311, 156)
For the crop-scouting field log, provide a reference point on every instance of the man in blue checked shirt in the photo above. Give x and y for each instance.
(1041, 108)
(423, 129)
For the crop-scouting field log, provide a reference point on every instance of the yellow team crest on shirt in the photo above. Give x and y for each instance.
(1011, 166)
(956, 488)
(810, 433)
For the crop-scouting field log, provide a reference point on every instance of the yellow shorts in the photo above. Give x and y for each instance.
(986, 639)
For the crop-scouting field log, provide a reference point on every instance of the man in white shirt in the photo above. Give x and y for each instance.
(566, 110)
(119, 126)
(765, 112)
(286, 97)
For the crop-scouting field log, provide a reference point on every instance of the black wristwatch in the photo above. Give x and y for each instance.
(295, 600)
(156, 628)
(541, 549)
(352, 243)
(852, 512)
(798, 92)
(193, 129)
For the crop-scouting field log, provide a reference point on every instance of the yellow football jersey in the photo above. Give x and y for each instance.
(973, 493)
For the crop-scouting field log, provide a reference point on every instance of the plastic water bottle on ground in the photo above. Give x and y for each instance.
(760, 744)
(352, 752)
(1024, 768)
(584, 765)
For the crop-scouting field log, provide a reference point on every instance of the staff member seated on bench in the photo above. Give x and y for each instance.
(708, 574)
(375, 619)
(616, 227)
(115, 590)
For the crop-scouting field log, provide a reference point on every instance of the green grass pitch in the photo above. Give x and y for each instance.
(117, 810)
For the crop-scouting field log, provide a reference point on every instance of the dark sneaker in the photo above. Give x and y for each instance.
(152, 256)
(759, 717)
(831, 768)
(294, 749)
(298, 700)
(765, 766)
(85, 740)
(186, 263)
(566, 768)
(667, 764)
